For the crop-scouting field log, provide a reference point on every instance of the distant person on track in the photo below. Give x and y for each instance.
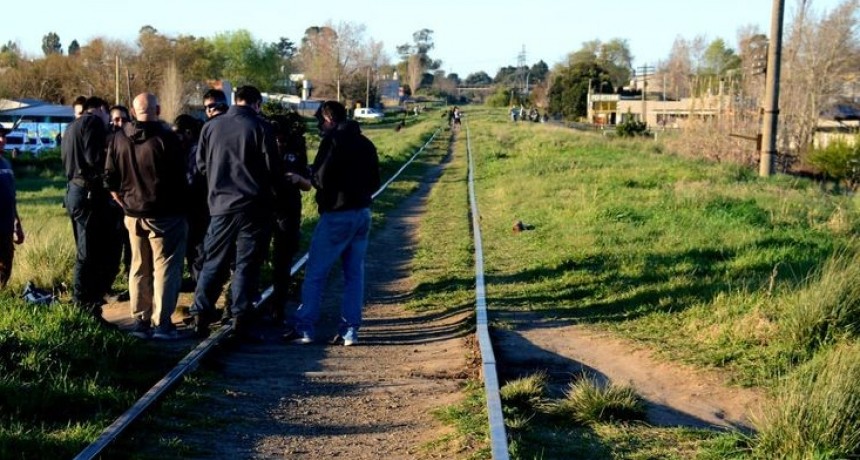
(345, 174)
(456, 114)
(145, 173)
(238, 155)
(87, 203)
(13, 232)
(290, 135)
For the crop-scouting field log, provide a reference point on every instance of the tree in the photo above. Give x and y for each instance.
(74, 48)
(821, 49)
(285, 48)
(10, 54)
(417, 58)
(510, 75)
(613, 56)
(318, 60)
(286, 51)
(569, 91)
(51, 44)
(719, 59)
(340, 62)
(479, 78)
(538, 72)
(242, 60)
(677, 69)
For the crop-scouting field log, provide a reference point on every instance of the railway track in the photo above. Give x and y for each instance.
(316, 395)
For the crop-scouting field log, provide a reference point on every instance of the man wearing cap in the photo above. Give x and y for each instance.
(11, 232)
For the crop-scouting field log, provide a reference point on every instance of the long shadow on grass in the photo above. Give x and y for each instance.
(668, 282)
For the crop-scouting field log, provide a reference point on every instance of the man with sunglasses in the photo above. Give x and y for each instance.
(214, 103)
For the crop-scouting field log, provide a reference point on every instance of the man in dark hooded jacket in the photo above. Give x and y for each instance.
(145, 174)
(345, 174)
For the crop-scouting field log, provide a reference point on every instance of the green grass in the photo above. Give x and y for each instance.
(704, 263)
(64, 378)
(816, 414)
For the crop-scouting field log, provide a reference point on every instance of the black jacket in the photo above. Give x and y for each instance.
(146, 167)
(239, 157)
(83, 151)
(345, 170)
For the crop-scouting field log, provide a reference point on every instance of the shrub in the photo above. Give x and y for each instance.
(840, 160)
(589, 402)
(631, 127)
(526, 392)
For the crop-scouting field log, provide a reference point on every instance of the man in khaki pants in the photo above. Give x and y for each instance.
(145, 173)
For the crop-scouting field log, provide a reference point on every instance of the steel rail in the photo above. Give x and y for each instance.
(498, 436)
(190, 361)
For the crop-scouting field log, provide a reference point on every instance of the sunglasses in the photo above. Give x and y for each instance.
(210, 106)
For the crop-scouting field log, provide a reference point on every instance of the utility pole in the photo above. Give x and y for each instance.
(116, 79)
(646, 71)
(771, 108)
(521, 63)
(367, 90)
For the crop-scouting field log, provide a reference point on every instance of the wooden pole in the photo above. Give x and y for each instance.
(771, 108)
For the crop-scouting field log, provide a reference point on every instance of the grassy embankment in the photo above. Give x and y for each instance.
(62, 377)
(705, 263)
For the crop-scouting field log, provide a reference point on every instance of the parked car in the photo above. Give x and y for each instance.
(368, 114)
(16, 141)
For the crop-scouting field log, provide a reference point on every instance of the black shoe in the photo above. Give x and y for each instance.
(201, 325)
(141, 329)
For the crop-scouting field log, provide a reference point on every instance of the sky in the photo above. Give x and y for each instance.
(469, 35)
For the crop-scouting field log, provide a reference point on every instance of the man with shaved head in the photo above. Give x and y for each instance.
(145, 174)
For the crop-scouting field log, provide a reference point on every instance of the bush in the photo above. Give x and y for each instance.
(48, 164)
(526, 392)
(839, 160)
(588, 402)
(631, 127)
(501, 97)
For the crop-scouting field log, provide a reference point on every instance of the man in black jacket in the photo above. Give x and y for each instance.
(238, 155)
(145, 174)
(87, 202)
(345, 174)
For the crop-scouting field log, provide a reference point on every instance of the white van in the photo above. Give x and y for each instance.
(368, 114)
(16, 141)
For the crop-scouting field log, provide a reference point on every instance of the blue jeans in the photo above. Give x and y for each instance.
(244, 236)
(93, 225)
(343, 235)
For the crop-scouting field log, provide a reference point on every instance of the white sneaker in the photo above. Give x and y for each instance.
(350, 337)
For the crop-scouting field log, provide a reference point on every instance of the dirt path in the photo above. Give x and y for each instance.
(676, 394)
(371, 401)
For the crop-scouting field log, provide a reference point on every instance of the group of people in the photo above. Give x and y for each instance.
(532, 114)
(214, 197)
